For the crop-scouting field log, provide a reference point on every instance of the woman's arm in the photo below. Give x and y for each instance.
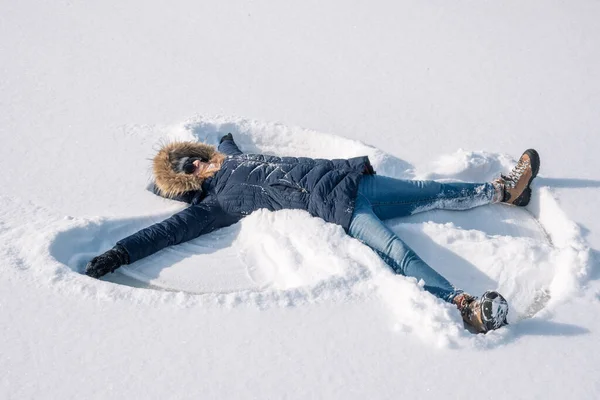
(227, 146)
(186, 225)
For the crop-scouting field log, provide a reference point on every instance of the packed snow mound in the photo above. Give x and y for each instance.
(534, 256)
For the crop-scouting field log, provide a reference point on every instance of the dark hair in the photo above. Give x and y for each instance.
(186, 164)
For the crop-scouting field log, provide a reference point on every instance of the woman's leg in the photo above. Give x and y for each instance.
(393, 198)
(369, 229)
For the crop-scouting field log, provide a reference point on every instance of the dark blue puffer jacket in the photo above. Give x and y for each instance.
(248, 182)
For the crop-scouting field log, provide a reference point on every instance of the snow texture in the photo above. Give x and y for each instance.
(284, 305)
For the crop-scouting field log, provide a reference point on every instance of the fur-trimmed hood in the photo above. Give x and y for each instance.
(171, 183)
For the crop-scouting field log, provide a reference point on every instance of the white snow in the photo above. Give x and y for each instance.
(284, 305)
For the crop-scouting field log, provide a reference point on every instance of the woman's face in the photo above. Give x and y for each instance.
(202, 166)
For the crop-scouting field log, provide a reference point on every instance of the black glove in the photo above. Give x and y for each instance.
(107, 262)
(229, 136)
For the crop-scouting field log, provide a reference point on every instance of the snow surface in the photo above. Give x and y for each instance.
(283, 305)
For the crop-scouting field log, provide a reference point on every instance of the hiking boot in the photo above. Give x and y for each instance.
(482, 315)
(515, 186)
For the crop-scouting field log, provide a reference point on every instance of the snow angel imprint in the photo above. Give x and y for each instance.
(224, 185)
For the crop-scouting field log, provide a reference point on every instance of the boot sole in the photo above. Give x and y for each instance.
(525, 197)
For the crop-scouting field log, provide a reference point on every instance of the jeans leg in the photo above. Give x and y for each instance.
(393, 198)
(369, 229)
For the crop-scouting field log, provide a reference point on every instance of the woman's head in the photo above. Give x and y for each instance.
(181, 167)
(189, 165)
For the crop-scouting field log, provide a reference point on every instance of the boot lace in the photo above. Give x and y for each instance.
(464, 303)
(510, 180)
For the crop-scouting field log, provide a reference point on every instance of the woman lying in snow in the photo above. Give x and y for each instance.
(222, 186)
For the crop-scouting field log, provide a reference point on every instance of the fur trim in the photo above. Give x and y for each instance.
(171, 183)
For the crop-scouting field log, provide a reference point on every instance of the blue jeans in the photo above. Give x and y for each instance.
(380, 198)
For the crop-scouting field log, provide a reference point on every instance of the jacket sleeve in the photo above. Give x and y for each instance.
(186, 225)
(228, 146)
(359, 164)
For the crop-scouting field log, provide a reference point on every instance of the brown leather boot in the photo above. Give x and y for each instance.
(482, 315)
(516, 184)
(470, 312)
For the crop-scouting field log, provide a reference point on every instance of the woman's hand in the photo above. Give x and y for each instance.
(107, 262)
(229, 136)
